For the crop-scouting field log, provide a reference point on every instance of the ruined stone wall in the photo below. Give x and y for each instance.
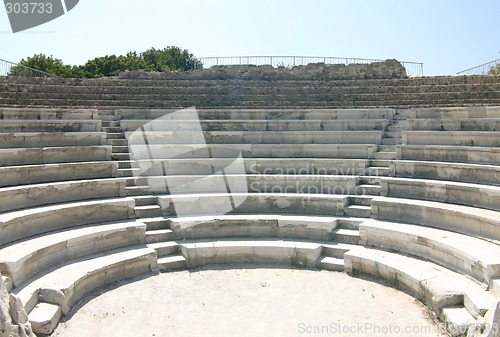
(13, 319)
(378, 70)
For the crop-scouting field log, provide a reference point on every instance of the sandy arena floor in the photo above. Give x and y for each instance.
(256, 302)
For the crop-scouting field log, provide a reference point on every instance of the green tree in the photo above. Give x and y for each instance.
(495, 70)
(170, 58)
(43, 63)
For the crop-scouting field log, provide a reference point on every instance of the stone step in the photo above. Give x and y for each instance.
(350, 223)
(116, 136)
(120, 156)
(386, 148)
(348, 236)
(361, 200)
(125, 164)
(336, 249)
(165, 248)
(53, 155)
(331, 263)
(368, 189)
(380, 163)
(172, 263)
(391, 141)
(127, 172)
(392, 134)
(110, 123)
(457, 320)
(44, 318)
(157, 223)
(112, 129)
(378, 171)
(136, 181)
(116, 142)
(120, 149)
(369, 180)
(159, 235)
(149, 211)
(51, 139)
(384, 155)
(133, 191)
(358, 211)
(145, 200)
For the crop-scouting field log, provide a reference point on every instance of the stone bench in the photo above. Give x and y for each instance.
(254, 137)
(23, 259)
(264, 114)
(47, 113)
(455, 138)
(455, 124)
(56, 139)
(472, 173)
(77, 125)
(252, 203)
(483, 196)
(457, 112)
(195, 166)
(53, 292)
(52, 155)
(25, 196)
(274, 183)
(295, 253)
(255, 225)
(436, 286)
(347, 151)
(460, 154)
(18, 225)
(36, 174)
(461, 253)
(256, 125)
(481, 223)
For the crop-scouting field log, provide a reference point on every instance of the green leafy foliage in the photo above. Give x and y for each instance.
(495, 70)
(167, 59)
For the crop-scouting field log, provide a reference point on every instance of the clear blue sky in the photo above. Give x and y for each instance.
(446, 35)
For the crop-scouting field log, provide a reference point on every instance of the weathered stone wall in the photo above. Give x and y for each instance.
(377, 70)
(13, 319)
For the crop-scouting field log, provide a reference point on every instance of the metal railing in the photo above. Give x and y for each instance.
(412, 68)
(481, 69)
(20, 70)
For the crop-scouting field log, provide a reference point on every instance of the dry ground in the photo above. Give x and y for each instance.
(257, 302)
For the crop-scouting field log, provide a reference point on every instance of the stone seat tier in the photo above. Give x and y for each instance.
(323, 228)
(51, 155)
(346, 151)
(25, 196)
(460, 172)
(62, 286)
(254, 137)
(46, 139)
(252, 203)
(435, 285)
(476, 222)
(451, 153)
(475, 195)
(25, 258)
(47, 113)
(277, 183)
(77, 125)
(36, 174)
(455, 124)
(461, 253)
(454, 138)
(290, 166)
(19, 225)
(257, 125)
(457, 112)
(264, 114)
(302, 254)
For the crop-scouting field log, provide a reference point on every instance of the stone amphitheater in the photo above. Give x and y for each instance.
(368, 172)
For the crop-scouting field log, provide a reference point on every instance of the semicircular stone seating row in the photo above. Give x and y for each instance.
(410, 196)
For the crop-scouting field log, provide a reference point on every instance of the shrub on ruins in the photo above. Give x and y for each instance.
(41, 62)
(495, 70)
(167, 59)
